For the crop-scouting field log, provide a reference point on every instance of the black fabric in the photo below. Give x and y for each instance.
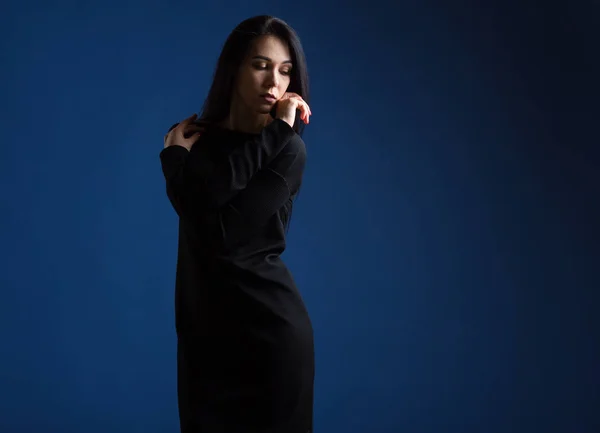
(245, 340)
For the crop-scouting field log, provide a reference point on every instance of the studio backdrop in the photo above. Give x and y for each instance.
(445, 239)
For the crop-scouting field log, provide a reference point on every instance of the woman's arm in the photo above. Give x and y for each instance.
(266, 193)
(198, 184)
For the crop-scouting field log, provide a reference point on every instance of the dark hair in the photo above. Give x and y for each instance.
(236, 48)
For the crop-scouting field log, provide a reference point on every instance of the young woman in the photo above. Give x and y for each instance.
(245, 340)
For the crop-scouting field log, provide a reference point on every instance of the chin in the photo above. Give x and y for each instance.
(264, 110)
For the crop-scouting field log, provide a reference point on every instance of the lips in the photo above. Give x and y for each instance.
(268, 97)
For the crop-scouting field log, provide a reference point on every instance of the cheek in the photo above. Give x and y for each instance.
(253, 83)
(284, 83)
(246, 85)
(259, 79)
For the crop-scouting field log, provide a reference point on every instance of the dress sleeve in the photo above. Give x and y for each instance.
(266, 193)
(197, 184)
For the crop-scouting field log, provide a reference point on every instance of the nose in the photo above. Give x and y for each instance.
(273, 79)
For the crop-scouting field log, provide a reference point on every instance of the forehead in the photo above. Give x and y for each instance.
(271, 47)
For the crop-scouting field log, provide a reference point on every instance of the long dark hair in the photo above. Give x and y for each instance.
(236, 48)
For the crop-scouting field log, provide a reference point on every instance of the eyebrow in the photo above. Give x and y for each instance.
(269, 60)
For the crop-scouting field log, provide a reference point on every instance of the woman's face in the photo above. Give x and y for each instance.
(264, 76)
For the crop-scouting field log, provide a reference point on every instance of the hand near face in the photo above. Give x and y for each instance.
(288, 105)
(185, 134)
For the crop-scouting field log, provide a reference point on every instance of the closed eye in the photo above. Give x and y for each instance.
(263, 67)
(264, 63)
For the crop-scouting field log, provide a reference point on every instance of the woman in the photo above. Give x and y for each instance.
(245, 340)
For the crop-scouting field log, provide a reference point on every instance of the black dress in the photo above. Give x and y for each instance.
(245, 340)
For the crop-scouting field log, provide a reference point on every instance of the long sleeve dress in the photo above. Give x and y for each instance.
(245, 339)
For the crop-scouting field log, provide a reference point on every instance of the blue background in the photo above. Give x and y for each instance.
(446, 239)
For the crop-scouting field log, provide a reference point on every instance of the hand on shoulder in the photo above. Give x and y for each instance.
(184, 134)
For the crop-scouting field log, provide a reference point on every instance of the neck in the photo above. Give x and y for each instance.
(242, 119)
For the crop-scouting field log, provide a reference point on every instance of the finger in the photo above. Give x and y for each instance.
(299, 98)
(306, 105)
(292, 95)
(303, 114)
(194, 138)
(306, 109)
(190, 142)
(193, 128)
(189, 120)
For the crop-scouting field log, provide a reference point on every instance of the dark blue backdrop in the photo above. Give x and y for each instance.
(446, 239)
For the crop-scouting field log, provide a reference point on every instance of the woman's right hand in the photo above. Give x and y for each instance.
(184, 134)
(287, 107)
